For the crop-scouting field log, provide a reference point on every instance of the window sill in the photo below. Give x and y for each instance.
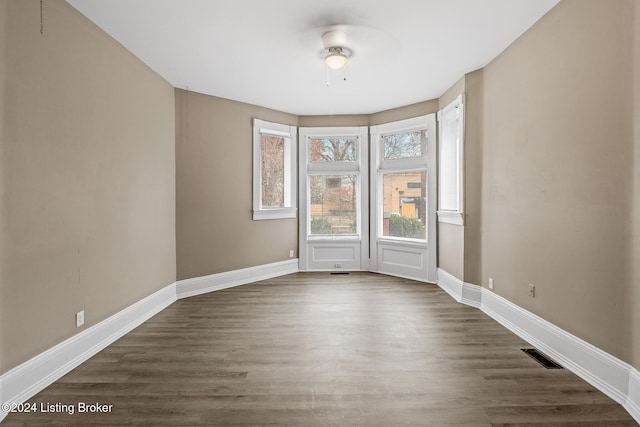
(275, 213)
(451, 217)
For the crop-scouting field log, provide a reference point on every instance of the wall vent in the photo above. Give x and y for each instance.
(541, 358)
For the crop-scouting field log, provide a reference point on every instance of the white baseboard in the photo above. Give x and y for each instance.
(602, 370)
(228, 279)
(615, 378)
(27, 379)
(471, 295)
(465, 293)
(24, 381)
(632, 405)
(450, 284)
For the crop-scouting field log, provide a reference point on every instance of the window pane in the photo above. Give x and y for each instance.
(405, 145)
(333, 205)
(405, 203)
(272, 171)
(333, 149)
(449, 168)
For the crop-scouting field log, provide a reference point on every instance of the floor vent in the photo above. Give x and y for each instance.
(541, 358)
(339, 272)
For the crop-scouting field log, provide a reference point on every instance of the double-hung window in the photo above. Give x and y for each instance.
(451, 120)
(274, 161)
(402, 179)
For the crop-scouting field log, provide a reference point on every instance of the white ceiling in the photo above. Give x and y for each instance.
(268, 52)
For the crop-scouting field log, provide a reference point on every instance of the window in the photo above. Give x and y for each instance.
(402, 180)
(332, 163)
(274, 156)
(451, 120)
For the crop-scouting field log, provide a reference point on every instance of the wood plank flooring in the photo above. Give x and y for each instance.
(313, 349)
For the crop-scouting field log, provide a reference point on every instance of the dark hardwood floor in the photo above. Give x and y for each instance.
(323, 350)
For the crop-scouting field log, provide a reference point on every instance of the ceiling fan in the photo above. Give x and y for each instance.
(336, 52)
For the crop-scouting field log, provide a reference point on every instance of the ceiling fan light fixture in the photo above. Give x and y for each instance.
(335, 59)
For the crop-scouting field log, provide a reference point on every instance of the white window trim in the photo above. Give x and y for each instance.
(358, 168)
(289, 133)
(401, 165)
(455, 110)
(451, 217)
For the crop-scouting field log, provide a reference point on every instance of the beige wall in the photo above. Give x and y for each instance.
(473, 171)
(556, 171)
(214, 179)
(88, 174)
(451, 249)
(214, 229)
(406, 112)
(400, 113)
(90, 169)
(4, 8)
(452, 93)
(329, 121)
(635, 282)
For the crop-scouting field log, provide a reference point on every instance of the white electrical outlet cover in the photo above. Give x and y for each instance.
(79, 318)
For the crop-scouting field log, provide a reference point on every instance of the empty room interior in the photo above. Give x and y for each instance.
(320, 213)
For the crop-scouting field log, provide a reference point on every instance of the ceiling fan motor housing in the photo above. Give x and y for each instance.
(334, 38)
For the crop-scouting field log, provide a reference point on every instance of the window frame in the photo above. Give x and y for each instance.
(453, 111)
(408, 164)
(359, 168)
(289, 134)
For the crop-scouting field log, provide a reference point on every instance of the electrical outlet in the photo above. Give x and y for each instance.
(79, 318)
(490, 282)
(532, 290)
(291, 253)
